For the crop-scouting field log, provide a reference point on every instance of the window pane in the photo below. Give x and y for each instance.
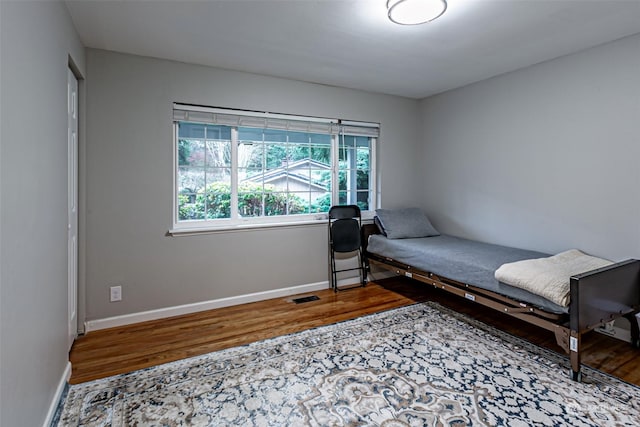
(299, 152)
(320, 178)
(342, 180)
(275, 203)
(218, 153)
(362, 181)
(321, 154)
(218, 132)
(204, 171)
(188, 209)
(321, 202)
(250, 175)
(191, 152)
(362, 141)
(250, 203)
(274, 135)
(250, 154)
(217, 201)
(286, 172)
(191, 130)
(363, 199)
(218, 176)
(342, 198)
(184, 151)
(298, 203)
(354, 170)
(298, 137)
(190, 179)
(249, 135)
(277, 156)
(320, 139)
(363, 158)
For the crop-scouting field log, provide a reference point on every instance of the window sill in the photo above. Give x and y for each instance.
(178, 232)
(195, 231)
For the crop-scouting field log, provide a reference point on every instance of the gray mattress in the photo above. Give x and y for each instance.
(467, 261)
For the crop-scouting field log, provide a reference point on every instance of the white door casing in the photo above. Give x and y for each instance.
(72, 206)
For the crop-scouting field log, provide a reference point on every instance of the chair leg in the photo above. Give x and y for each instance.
(334, 275)
(361, 271)
(361, 274)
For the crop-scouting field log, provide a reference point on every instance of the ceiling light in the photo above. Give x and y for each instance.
(414, 12)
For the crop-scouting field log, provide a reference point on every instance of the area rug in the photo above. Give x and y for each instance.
(421, 365)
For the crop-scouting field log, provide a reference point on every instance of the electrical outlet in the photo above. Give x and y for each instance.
(115, 293)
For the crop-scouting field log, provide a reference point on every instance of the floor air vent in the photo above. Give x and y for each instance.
(305, 299)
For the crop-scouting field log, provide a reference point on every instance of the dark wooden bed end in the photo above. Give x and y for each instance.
(597, 297)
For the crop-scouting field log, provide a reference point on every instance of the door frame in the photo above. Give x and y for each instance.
(72, 205)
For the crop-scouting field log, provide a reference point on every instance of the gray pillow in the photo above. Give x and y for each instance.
(405, 223)
(381, 229)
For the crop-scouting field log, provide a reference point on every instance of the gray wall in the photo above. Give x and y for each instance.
(129, 183)
(36, 41)
(543, 158)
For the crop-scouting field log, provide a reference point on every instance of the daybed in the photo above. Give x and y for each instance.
(468, 269)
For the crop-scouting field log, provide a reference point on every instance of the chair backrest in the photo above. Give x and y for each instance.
(345, 235)
(344, 211)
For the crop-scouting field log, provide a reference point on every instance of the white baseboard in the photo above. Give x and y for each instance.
(144, 316)
(58, 396)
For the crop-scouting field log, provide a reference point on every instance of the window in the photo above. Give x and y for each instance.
(237, 167)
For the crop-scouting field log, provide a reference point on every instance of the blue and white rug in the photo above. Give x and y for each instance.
(421, 365)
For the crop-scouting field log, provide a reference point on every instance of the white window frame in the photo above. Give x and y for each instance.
(233, 118)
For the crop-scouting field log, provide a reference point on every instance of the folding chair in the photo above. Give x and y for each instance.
(344, 237)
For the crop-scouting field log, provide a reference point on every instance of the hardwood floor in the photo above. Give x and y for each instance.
(128, 348)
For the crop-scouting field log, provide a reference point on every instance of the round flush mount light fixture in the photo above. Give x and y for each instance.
(414, 12)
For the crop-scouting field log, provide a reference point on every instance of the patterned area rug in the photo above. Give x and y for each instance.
(421, 365)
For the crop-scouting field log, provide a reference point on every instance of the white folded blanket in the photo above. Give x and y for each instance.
(549, 277)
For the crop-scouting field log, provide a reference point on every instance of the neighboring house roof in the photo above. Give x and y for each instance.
(289, 170)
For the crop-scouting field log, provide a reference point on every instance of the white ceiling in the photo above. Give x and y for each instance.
(351, 43)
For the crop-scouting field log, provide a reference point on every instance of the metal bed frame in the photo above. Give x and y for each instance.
(597, 297)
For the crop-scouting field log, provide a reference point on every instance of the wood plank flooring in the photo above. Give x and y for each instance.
(117, 350)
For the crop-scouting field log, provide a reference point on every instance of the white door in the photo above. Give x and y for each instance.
(72, 191)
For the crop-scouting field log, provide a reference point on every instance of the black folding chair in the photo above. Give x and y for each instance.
(344, 237)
